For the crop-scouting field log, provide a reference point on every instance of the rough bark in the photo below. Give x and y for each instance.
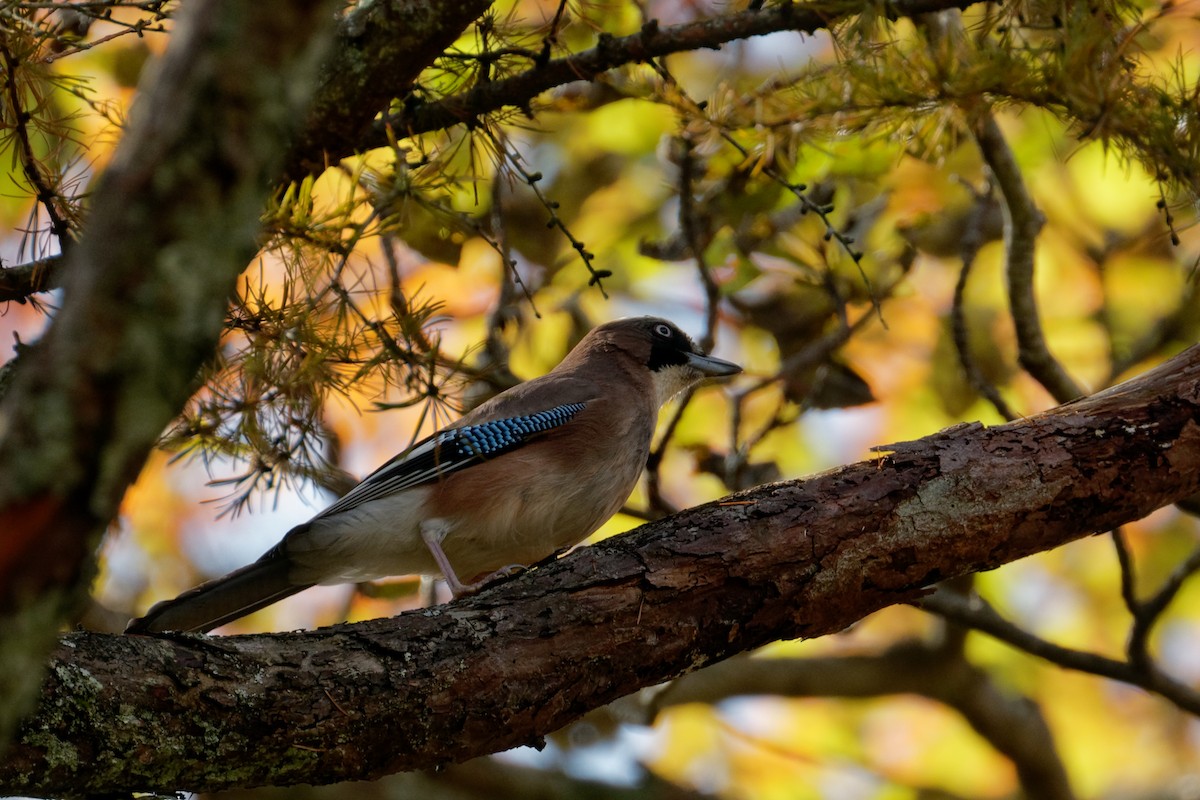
(793, 559)
(174, 221)
(381, 48)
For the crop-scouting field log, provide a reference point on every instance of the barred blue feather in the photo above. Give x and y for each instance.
(451, 450)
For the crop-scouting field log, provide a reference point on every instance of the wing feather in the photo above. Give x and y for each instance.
(451, 450)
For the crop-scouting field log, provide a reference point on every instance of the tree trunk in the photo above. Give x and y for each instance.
(173, 221)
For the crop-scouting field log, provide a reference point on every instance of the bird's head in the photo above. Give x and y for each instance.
(669, 355)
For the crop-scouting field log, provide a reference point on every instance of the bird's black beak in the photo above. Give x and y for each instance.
(711, 366)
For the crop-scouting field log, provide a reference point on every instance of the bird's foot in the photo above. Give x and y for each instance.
(467, 589)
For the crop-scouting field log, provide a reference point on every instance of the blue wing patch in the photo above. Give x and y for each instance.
(451, 450)
(495, 437)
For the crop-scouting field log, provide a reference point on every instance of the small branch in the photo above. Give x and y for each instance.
(978, 614)
(1147, 613)
(1023, 222)
(816, 351)
(18, 282)
(80, 16)
(973, 238)
(507, 311)
(806, 201)
(691, 224)
(975, 612)
(658, 506)
(1128, 576)
(46, 194)
(651, 42)
(1158, 603)
(531, 179)
(962, 344)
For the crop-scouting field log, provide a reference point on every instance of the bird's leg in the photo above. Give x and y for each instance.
(433, 531)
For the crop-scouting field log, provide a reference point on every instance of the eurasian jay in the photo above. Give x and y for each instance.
(534, 470)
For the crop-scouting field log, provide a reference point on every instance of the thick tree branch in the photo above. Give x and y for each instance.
(652, 41)
(508, 666)
(380, 50)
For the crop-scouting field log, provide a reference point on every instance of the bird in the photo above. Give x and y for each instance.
(530, 472)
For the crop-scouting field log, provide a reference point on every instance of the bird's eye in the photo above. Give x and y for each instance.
(662, 330)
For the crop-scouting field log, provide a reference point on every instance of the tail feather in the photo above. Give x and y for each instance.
(222, 600)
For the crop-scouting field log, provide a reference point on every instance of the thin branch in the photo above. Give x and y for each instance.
(693, 109)
(507, 311)
(1166, 593)
(962, 344)
(658, 505)
(1128, 575)
(1023, 221)
(20, 281)
(139, 27)
(47, 195)
(1147, 613)
(507, 306)
(531, 179)
(976, 613)
(973, 238)
(690, 224)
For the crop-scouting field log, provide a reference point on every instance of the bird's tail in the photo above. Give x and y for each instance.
(222, 600)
